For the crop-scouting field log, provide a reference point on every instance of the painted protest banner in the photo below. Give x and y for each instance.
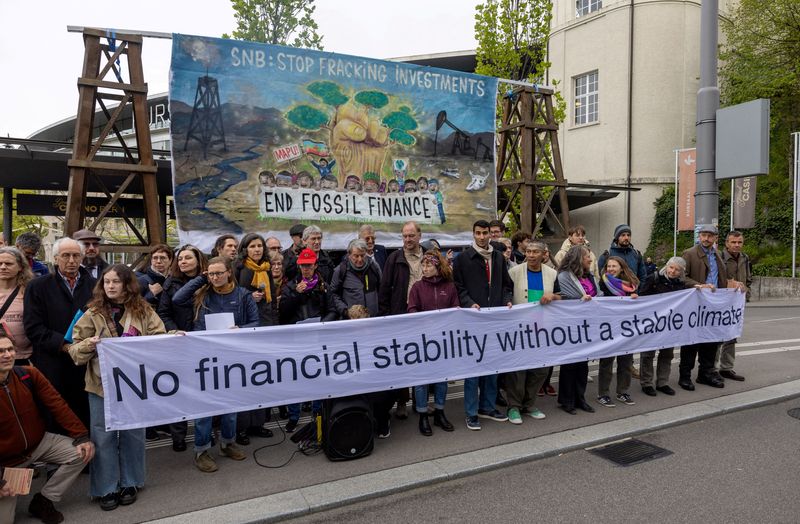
(155, 380)
(250, 121)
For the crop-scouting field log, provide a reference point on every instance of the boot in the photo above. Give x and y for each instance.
(425, 425)
(440, 420)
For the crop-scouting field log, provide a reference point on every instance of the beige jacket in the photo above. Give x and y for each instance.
(519, 274)
(92, 324)
(563, 252)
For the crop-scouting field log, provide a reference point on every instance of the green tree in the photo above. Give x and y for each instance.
(286, 22)
(760, 59)
(512, 40)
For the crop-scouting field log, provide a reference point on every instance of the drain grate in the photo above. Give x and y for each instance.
(630, 452)
(795, 412)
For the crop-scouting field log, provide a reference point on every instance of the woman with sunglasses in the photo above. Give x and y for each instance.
(188, 262)
(215, 291)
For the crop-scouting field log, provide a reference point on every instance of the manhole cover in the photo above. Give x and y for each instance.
(794, 412)
(630, 452)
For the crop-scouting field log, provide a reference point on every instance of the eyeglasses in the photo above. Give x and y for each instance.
(7, 350)
(216, 274)
(70, 256)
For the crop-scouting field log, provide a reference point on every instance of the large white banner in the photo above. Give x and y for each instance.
(156, 380)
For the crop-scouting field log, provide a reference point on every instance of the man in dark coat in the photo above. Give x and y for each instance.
(312, 239)
(621, 247)
(482, 280)
(51, 302)
(704, 267)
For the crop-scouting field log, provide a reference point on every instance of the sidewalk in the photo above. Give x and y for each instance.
(324, 496)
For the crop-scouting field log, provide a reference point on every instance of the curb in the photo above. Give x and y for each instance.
(321, 497)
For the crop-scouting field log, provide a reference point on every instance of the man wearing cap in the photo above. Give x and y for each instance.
(621, 247)
(704, 267)
(291, 252)
(92, 260)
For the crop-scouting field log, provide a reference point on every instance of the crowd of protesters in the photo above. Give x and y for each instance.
(52, 319)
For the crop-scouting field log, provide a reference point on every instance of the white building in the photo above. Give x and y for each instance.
(629, 71)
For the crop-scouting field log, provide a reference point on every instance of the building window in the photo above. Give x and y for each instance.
(584, 7)
(586, 96)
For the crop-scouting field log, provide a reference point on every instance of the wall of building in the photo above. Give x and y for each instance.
(665, 76)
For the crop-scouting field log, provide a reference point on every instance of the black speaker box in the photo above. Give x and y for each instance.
(347, 428)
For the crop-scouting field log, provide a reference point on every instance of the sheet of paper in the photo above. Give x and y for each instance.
(219, 321)
(19, 479)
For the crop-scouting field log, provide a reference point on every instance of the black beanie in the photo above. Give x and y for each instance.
(622, 228)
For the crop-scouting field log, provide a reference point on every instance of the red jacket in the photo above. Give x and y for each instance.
(430, 294)
(22, 426)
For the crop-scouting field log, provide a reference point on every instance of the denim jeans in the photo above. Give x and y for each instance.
(439, 396)
(119, 455)
(202, 431)
(294, 409)
(488, 394)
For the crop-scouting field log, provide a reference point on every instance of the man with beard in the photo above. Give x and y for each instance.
(621, 247)
(482, 280)
(704, 266)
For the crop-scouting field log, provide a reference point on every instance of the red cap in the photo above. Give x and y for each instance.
(307, 256)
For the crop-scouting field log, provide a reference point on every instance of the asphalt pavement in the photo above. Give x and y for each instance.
(278, 483)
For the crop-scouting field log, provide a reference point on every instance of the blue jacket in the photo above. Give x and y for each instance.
(39, 269)
(630, 255)
(239, 302)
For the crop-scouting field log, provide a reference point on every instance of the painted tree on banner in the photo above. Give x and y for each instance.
(361, 129)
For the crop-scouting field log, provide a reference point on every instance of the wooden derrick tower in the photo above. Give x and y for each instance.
(95, 90)
(528, 150)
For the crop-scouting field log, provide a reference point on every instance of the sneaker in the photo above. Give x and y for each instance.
(205, 462)
(42, 508)
(626, 399)
(290, 426)
(493, 415)
(127, 496)
(514, 417)
(232, 451)
(109, 502)
(473, 423)
(385, 431)
(550, 391)
(606, 401)
(535, 413)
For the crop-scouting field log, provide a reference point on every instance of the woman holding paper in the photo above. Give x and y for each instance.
(212, 292)
(435, 291)
(189, 262)
(576, 281)
(115, 310)
(619, 281)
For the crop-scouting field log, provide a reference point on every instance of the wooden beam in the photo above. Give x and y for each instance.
(92, 82)
(113, 166)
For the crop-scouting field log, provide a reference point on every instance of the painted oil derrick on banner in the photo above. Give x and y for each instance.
(318, 137)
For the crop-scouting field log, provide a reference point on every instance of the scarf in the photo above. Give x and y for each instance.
(260, 277)
(361, 272)
(487, 258)
(311, 283)
(618, 287)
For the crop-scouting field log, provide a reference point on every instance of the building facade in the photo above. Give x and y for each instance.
(629, 71)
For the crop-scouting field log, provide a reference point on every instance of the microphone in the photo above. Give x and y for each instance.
(262, 287)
